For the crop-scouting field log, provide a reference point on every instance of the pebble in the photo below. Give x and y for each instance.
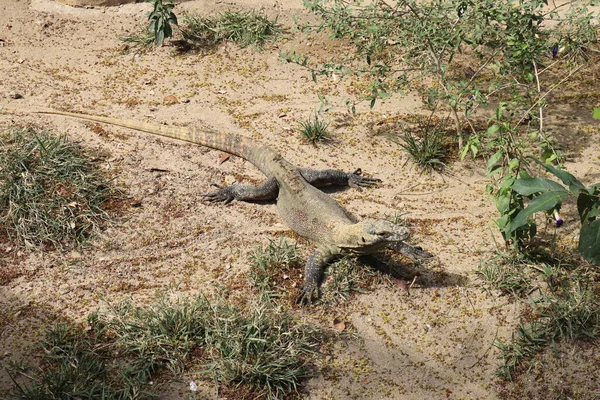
(15, 95)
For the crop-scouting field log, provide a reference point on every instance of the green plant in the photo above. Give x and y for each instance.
(428, 152)
(504, 274)
(547, 195)
(161, 18)
(76, 366)
(245, 29)
(51, 193)
(263, 349)
(314, 130)
(570, 312)
(272, 265)
(345, 277)
(201, 30)
(260, 347)
(508, 42)
(142, 40)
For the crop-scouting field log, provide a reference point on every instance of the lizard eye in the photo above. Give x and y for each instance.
(363, 240)
(384, 234)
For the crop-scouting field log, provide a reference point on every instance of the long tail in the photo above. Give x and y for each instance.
(237, 145)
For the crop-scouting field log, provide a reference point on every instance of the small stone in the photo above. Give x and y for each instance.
(15, 95)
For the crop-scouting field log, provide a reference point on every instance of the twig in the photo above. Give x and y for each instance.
(539, 89)
(542, 97)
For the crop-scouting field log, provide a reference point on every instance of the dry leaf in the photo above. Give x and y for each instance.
(403, 286)
(170, 99)
(224, 157)
(338, 324)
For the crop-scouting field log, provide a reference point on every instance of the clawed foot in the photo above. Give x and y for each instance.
(357, 181)
(412, 252)
(309, 294)
(223, 195)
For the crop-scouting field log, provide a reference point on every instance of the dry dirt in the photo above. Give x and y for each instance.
(437, 343)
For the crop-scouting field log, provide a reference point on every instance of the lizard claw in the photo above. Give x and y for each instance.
(356, 180)
(223, 195)
(309, 293)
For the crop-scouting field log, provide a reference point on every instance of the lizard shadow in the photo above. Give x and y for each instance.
(426, 273)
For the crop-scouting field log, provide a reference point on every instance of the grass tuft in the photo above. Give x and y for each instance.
(75, 366)
(140, 41)
(314, 130)
(260, 350)
(51, 193)
(276, 271)
(506, 275)
(345, 277)
(561, 305)
(429, 152)
(243, 28)
(272, 266)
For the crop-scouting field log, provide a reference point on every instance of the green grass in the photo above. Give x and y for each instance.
(506, 275)
(345, 277)
(314, 129)
(428, 153)
(258, 349)
(243, 28)
(276, 271)
(561, 303)
(51, 193)
(272, 266)
(76, 365)
(141, 41)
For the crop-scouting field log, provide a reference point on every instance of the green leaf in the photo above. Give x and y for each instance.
(587, 202)
(160, 37)
(494, 160)
(568, 179)
(529, 186)
(589, 241)
(543, 202)
(596, 114)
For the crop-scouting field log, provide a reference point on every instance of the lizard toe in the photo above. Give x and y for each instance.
(308, 295)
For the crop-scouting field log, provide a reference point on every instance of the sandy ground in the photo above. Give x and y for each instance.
(434, 344)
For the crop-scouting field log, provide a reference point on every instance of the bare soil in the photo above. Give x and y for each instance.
(435, 344)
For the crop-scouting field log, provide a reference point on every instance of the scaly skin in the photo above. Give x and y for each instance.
(305, 209)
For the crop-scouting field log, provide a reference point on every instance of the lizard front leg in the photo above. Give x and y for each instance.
(326, 177)
(268, 190)
(313, 273)
(265, 191)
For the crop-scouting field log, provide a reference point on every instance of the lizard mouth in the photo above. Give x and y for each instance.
(370, 237)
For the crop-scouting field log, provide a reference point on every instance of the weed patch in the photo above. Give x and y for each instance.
(562, 306)
(243, 28)
(51, 192)
(314, 130)
(275, 266)
(429, 152)
(260, 349)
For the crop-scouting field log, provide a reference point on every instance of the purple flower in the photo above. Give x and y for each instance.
(554, 51)
(559, 220)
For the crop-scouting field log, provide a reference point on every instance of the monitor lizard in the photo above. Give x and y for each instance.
(306, 210)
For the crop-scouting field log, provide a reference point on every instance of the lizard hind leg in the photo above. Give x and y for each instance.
(226, 194)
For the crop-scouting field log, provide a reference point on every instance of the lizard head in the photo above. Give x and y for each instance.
(370, 236)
